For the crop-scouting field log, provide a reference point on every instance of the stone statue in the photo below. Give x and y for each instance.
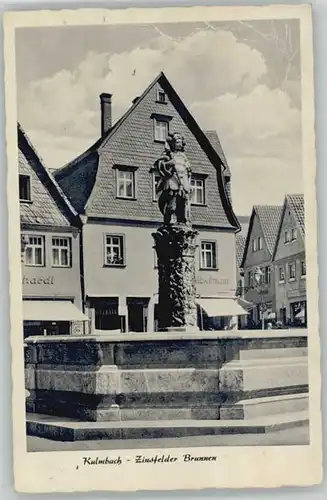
(175, 239)
(174, 186)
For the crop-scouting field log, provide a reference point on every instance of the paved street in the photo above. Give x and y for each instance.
(295, 436)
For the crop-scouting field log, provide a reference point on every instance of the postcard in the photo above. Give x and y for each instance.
(163, 248)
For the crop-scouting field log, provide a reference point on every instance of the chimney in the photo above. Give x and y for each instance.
(106, 118)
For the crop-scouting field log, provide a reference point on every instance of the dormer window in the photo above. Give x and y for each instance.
(161, 97)
(25, 188)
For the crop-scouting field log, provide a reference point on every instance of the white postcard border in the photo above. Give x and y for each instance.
(235, 467)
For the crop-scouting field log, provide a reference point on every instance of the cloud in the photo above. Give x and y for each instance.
(258, 181)
(221, 80)
(262, 123)
(68, 103)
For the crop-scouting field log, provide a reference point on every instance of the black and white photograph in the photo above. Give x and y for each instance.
(164, 202)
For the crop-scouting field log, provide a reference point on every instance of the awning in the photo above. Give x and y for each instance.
(51, 310)
(245, 304)
(216, 306)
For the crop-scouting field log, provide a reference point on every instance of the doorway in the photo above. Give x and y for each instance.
(137, 314)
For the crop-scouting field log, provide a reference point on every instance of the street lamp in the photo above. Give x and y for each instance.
(258, 276)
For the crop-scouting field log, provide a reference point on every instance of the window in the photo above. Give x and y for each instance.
(291, 271)
(293, 235)
(34, 251)
(250, 279)
(197, 196)
(160, 130)
(208, 255)
(114, 250)
(61, 252)
(125, 183)
(155, 180)
(161, 97)
(254, 245)
(155, 256)
(25, 188)
(303, 268)
(281, 274)
(267, 275)
(259, 243)
(287, 237)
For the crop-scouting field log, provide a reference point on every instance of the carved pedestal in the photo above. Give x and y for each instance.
(175, 247)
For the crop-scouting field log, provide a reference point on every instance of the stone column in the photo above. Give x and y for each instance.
(175, 247)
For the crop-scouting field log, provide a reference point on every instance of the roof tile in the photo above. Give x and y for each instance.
(269, 217)
(46, 208)
(296, 204)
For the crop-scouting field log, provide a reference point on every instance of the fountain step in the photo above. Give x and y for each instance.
(273, 405)
(64, 429)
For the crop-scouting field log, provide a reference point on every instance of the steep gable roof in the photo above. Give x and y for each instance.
(82, 163)
(269, 219)
(240, 244)
(215, 142)
(49, 204)
(295, 204)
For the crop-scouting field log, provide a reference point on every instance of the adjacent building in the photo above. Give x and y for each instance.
(258, 254)
(112, 188)
(290, 263)
(51, 250)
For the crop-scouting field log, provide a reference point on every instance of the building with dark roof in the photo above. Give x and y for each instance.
(290, 263)
(258, 253)
(112, 188)
(50, 248)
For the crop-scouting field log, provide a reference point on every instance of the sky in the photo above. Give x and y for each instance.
(241, 79)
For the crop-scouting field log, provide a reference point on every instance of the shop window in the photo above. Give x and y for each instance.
(25, 188)
(34, 251)
(61, 252)
(208, 255)
(114, 250)
(198, 193)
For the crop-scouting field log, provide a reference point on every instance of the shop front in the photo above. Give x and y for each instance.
(220, 313)
(298, 312)
(119, 314)
(52, 317)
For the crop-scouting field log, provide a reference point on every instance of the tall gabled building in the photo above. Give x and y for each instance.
(51, 252)
(112, 188)
(258, 253)
(290, 263)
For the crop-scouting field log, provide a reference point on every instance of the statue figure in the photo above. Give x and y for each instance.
(174, 186)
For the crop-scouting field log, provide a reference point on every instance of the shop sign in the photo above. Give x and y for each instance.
(38, 280)
(211, 280)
